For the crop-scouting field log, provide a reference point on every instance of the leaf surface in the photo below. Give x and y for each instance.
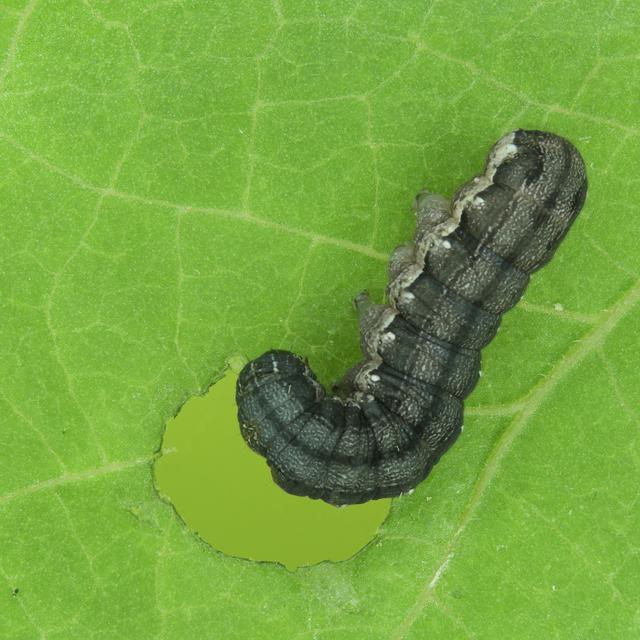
(181, 181)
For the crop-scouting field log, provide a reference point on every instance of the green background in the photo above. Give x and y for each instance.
(184, 180)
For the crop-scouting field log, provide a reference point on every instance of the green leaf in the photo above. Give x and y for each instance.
(185, 180)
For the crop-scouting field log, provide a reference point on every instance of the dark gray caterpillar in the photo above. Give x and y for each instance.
(469, 263)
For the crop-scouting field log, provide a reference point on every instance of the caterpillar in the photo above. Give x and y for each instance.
(401, 407)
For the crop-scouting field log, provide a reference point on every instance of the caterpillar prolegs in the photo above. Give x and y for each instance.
(402, 406)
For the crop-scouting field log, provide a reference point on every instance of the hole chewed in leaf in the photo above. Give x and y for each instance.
(224, 491)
